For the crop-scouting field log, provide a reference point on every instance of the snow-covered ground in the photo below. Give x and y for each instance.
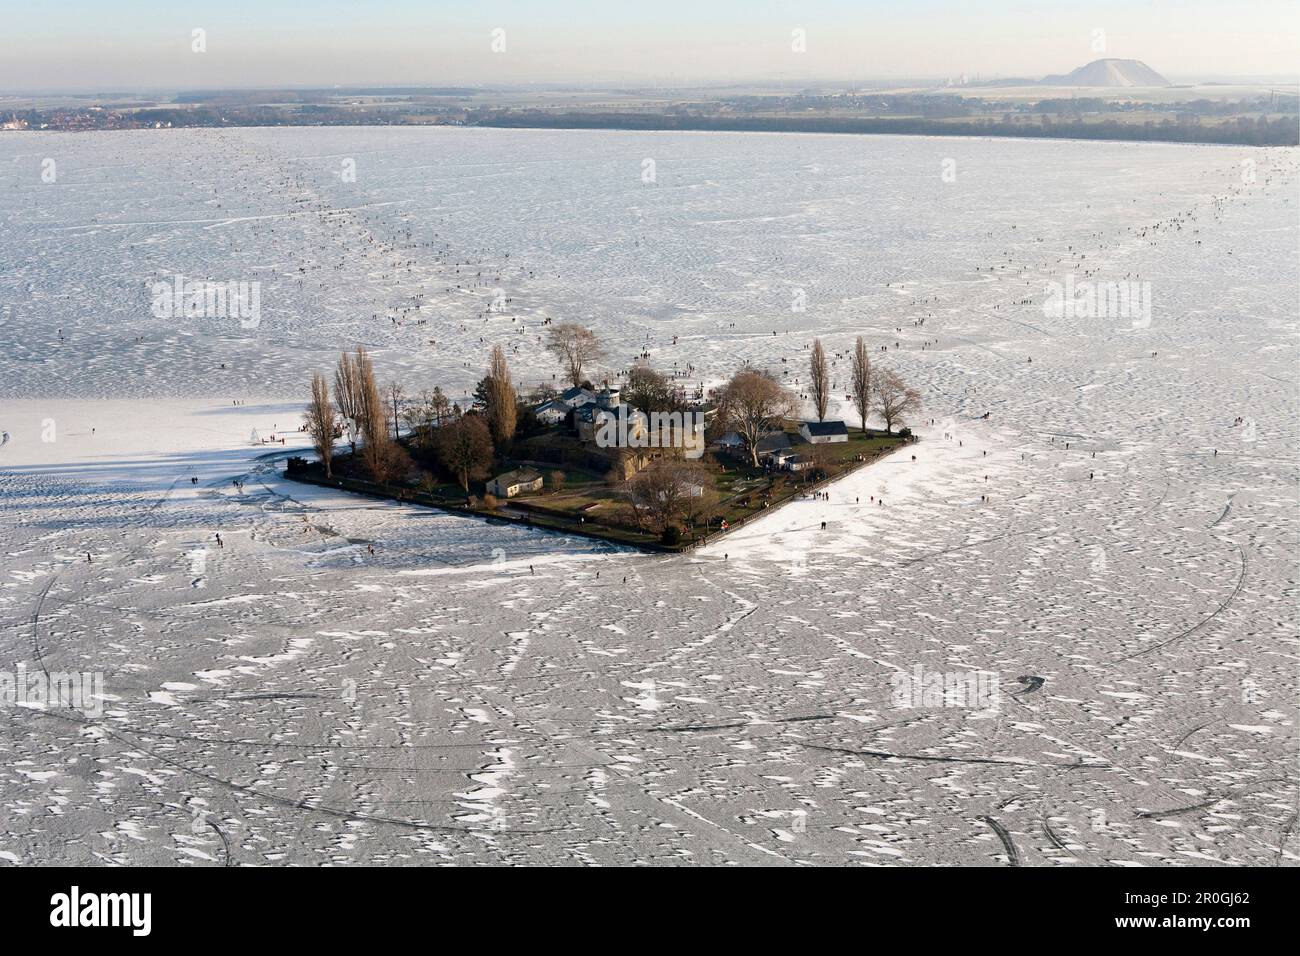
(1110, 545)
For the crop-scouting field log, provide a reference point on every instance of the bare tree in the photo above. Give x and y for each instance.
(502, 406)
(421, 418)
(440, 404)
(321, 422)
(425, 414)
(347, 394)
(375, 450)
(820, 381)
(357, 396)
(386, 460)
(649, 391)
(668, 492)
(371, 415)
(894, 399)
(465, 448)
(754, 403)
(575, 347)
(394, 394)
(826, 459)
(862, 388)
(709, 507)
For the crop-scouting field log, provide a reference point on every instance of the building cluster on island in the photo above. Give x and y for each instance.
(644, 454)
(589, 414)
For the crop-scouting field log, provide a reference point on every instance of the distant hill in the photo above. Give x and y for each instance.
(1112, 73)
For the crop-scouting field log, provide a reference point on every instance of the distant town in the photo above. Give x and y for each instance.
(1106, 99)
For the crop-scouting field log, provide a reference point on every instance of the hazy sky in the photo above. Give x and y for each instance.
(124, 44)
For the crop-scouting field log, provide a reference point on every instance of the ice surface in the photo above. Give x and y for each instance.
(289, 697)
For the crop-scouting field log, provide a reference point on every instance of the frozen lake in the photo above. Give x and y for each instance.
(1115, 545)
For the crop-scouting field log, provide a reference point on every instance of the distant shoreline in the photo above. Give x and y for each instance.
(1276, 133)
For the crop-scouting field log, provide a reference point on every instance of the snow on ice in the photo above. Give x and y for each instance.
(1115, 542)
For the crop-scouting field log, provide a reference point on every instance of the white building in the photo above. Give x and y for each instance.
(577, 396)
(822, 433)
(515, 482)
(553, 412)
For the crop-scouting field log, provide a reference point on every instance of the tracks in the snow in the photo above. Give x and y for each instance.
(1241, 582)
(1013, 855)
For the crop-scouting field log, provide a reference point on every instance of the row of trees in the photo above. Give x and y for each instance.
(462, 442)
(758, 404)
(887, 393)
(753, 403)
(358, 411)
